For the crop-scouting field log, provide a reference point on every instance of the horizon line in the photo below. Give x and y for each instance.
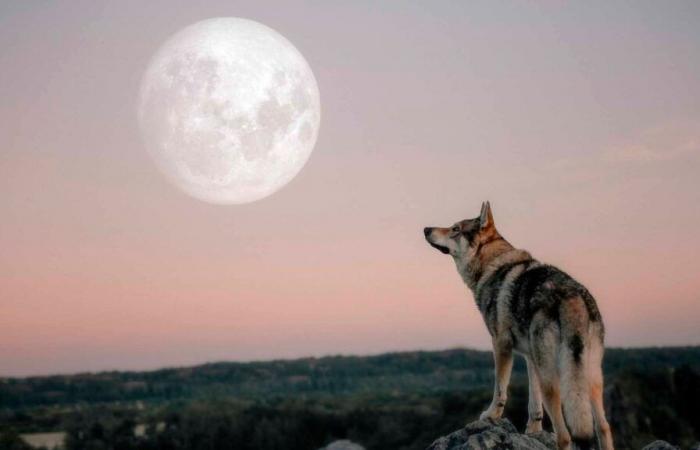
(4, 378)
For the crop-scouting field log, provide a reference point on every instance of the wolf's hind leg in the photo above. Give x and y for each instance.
(503, 359)
(596, 390)
(534, 404)
(552, 402)
(602, 426)
(544, 348)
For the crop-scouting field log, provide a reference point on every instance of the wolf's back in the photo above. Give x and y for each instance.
(547, 291)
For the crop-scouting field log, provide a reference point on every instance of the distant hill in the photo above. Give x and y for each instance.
(416, 372)
(396, 400)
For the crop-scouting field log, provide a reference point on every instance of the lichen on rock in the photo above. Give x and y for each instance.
(494, 434)
(502, 435)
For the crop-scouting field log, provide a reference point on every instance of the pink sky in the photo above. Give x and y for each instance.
(580, 123)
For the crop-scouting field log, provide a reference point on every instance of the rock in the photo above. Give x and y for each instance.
(501, 435)
(343, 445)
(494, 434)
(546, 438)
(660, 445)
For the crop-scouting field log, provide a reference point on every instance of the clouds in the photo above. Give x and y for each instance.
(678, 140)
(674, 144)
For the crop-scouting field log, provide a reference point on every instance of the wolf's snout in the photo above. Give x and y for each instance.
(427, 231)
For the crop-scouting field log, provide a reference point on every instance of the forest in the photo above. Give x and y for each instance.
(390, 401)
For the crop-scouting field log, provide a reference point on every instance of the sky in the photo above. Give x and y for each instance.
(580, 123)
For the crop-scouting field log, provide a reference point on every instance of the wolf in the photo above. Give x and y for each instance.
(545, 315)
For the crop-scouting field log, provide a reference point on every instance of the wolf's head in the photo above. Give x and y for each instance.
(465, 239)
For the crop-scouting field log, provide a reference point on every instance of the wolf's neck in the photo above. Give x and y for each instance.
(493, 256)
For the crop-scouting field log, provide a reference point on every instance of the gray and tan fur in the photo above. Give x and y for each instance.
(542, 313)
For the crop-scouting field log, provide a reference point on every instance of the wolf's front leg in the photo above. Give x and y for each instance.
(503, 359)
(534, 405)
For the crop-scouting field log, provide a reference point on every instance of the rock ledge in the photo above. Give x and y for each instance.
(501, 434)
(490, 434)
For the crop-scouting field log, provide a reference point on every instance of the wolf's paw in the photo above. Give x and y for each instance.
(492, 414)
(533, 426)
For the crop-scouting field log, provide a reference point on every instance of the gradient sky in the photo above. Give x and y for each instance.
(579, 122)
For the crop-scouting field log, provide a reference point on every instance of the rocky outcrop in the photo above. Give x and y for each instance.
(343, 445)
(501, 434)
(660, 445)
(490, 434)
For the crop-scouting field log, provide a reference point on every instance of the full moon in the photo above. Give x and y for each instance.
(229, 110)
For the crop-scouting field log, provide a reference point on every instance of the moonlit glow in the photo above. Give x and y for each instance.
(229, 110)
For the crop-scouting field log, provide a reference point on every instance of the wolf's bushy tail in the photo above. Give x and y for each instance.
(575, 390)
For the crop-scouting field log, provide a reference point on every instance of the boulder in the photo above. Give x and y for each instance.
(494, 434)
(501, 435)
(343, 445)
(660, 445)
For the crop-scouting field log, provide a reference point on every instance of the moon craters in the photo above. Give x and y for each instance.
(229, 110)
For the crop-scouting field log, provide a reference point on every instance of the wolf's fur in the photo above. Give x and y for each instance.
(542, 313)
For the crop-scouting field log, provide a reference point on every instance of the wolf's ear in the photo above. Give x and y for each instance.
(486, 218)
